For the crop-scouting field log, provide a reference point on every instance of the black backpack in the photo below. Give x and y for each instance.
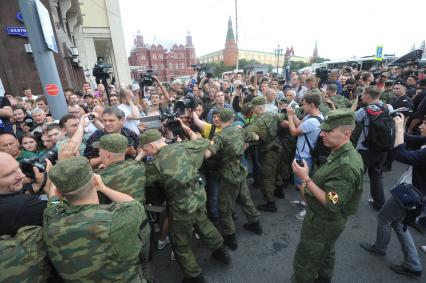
(320, 152)
(381, 130)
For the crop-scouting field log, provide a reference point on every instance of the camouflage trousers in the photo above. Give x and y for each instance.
(315, 254)
(268, 173)
(145, 256)
(180, 232)
(228, 194)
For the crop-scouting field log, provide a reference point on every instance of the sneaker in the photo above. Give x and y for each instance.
(162, 244)
(301, 215)
(298, 203)
(401, 269)
(371, 249)
(172, 256)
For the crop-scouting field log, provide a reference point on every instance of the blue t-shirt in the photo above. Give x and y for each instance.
(309, 126)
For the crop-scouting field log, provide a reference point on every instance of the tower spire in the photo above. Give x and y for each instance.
(230, 32)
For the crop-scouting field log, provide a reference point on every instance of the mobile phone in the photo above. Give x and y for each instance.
(299, 161)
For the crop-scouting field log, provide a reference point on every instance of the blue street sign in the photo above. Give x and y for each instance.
(17, 31)
(379, 53)
(19, 16)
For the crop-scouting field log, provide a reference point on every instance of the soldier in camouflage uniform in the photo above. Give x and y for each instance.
(265, 126)
(126, 176)
(331, 196)
(228, 145)
(23, 257)
(87, 241)
(338, 100)
(175, 169)
(387, 94)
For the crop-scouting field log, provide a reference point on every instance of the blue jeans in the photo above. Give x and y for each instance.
(391, 215)
(212, 179)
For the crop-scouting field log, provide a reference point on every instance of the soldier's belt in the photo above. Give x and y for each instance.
(154, 208)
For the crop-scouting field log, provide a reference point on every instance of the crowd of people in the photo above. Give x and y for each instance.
(89, 196)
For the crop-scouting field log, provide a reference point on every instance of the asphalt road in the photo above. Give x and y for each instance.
(269, 258)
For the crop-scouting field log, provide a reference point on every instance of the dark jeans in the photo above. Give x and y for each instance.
(373, 164)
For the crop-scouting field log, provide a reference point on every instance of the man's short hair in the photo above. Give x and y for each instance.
(19, 108)
(41, 98)
(65, 119)
(37, 111)
(114, 110)
(69, 90)
(52, 126)
(365, 76)
(373, 92)
(314, 98)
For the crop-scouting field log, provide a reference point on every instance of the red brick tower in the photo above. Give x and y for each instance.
(230, 52)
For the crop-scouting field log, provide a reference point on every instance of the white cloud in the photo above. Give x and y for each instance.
(342, 28)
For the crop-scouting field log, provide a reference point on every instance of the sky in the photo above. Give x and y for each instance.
(343, 29)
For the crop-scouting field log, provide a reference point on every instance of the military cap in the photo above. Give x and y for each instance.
(338, 117)
(226, 115)
(314, 91)
(258, 100)
(149, 136)
(389, 83)
(400, 82)
(72, 174)
(116, 143)
(283, 100)
(332, 87)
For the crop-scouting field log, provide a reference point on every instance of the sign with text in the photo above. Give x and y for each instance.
(46, 26)
(17, 31)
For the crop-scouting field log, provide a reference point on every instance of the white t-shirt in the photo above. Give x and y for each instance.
(129, 124)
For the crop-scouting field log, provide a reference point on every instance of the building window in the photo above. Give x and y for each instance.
(154, 67)
(170, 66)
(162, 67)
(177, 66)
(182, 66)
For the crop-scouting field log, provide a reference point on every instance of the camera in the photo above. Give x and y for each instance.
(322, 73)
(27, 164)
(403, 110)
(189, 101)
(146, 79)
(203, 71)
(101, 71)
(91, 117)
(29, 122)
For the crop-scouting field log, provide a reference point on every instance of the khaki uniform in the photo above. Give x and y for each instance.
(341, 179)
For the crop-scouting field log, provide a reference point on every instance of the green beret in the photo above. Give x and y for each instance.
(116, 143)
(258, 100)
(314, 91)
(71, 175)
(332, 87)
(149, 136)
(338, 117)
(226, 115)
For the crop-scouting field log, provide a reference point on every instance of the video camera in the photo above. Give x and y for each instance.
(101, 71)
(189, 101)
(146, 79)
(27, 164)
(322, 73)
(203, 71)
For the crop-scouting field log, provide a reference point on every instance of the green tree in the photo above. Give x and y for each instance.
(219, 68)
(320, 60)
(297, 65)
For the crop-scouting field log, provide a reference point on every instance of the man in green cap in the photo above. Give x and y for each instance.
(175, 169)
(100, 243)
(126, 176)
(338, 100)
(266, 126)
(331, 196)
(229, 145)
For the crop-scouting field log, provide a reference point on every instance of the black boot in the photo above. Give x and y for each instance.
(254, 227)
(199, 279)
(279, 193)
(268, 207)
(323, 280)
(221, 255)
(230, 241)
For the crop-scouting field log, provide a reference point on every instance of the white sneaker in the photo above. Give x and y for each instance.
(301, 215)
(298, 203)
(197, 236)
(162, 244)
(172, 257)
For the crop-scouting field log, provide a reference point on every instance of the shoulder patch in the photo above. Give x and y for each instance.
(333, 197)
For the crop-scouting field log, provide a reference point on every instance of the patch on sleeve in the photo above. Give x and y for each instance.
(333, 197)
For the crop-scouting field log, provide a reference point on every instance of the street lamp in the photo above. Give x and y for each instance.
(278, 52)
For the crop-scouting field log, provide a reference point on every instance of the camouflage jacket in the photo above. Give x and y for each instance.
(228, 145)
(127, 176)
(386, 96)
(266, 127)
(94, 243)
(341, 179)
(23, 257)
(175, 169)
(340, 101)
